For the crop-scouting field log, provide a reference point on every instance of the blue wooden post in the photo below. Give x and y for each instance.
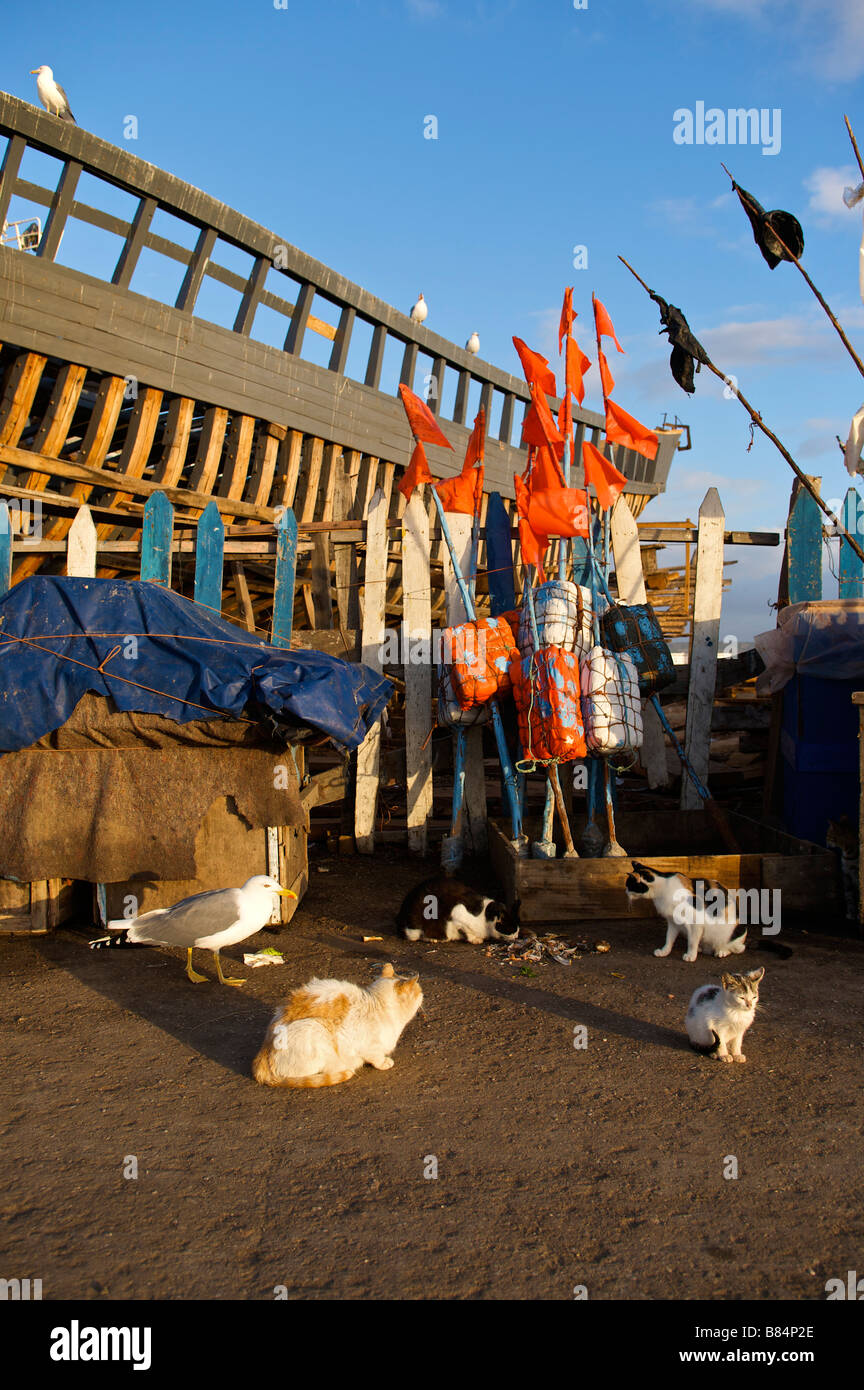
(5, 548)
(804, 550)
(209, 558)
(581, 561)
(286, 569)
(157, 535)
(851, 568)
(499, 557)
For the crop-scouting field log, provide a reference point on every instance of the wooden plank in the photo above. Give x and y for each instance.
(263, 467)
(51, 434)
(345, 557)
(283, 587)
(156, 537)
(299, 319)
(140, 433)
(209, 559)
(313, 477)
(81, 548)
(19, 391)
(9, 173)
(241, 588)
(851, 583)
(252, 295)
(290, 456)
(417, 627)
(237, 456)
(342, 340)
(474, 804)
(134, 244)
(631, 589)
(321, 582)
(374, 606)
(707, 603)
(61, 206)
(194, 277)
(804, 546)
(209, 454)
(175, 442)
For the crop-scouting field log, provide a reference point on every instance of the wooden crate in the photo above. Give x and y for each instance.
(227, 852)
(31, 909)
(579, 890)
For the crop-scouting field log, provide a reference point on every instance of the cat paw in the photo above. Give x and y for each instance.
(661, 952)
(723, 1057)
(384, 1064)
(719, 955)
(689, 957)
(739, 1058)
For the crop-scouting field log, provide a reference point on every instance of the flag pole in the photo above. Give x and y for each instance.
(795, 261)
(769, 434)
(855, 146)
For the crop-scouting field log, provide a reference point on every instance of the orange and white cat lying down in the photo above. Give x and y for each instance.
(329, 1028)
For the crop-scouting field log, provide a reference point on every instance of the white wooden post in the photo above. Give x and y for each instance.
(417, 628)
(474, 814)
(707, 601)
(81, 545)
(374, 609)
(631, 589)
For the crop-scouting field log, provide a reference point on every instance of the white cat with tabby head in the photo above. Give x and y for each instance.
(719, 1016)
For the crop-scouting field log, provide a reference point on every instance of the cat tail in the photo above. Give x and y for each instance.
(710, 1049)
(265, 1075)
(777, 947)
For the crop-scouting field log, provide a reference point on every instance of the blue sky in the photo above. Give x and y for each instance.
(555, 129)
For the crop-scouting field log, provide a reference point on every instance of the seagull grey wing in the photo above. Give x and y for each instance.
(204, 914)
(66, 113)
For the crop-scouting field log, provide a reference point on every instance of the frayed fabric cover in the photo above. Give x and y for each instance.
(564, 618)
(481, 653)
(548, 705)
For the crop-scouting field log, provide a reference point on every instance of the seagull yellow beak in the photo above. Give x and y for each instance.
(286, 893)
(34, 72)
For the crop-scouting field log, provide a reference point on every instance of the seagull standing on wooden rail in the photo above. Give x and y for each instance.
(51, 94)
(209, 921)
(420, 310)
(473, 344)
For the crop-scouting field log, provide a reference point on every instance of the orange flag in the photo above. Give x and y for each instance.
(463, 493)
(604, 323)
(565, 416)
(536, 368)
(423, 423)
(606, 376)
(532, 546)
(577, 366)
(607, 481)
(621, 428)
(567, 316)
(545, 470)
(561, 511)
(539, 426)
(477, 442)
(416, 474)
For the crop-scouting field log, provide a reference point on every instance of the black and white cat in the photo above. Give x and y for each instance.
(705, 913)
(719, 1016)
(443, 909)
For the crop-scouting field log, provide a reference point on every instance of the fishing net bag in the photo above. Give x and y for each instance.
(563, 614)
(633, 628)
(480, 655)
(548, 705)
(611, 703)
(450, 712)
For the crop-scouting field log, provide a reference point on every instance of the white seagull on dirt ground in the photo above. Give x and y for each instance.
(51, 94)
(208, 921)
(473, 344)
(420, 310)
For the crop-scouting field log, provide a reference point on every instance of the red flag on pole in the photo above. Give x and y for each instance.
(565, 417)
(567, 316)
(545, 470)
(423, 423)
(561, 511)
(604, 323)
(536, 368)
(606, 376)
(608, 483)
(539, 426)
(621, 428)
(577, 364)
(533, 546)
(416, 474)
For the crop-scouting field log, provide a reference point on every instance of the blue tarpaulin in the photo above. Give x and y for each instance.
(155, 652)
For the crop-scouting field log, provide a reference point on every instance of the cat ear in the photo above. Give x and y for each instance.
(727, 981)
(387, 972)
(756, 975)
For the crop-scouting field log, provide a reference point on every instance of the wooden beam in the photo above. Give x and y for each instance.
(631, 589)
(417, 626)
(374, 608)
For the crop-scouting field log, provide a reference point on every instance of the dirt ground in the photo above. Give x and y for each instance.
(557, 1167)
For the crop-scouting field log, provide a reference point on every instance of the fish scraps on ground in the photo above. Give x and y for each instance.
(537, 950)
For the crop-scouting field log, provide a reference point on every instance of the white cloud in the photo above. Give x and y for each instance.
(425, 9)
(828, 33)
(825, 186)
